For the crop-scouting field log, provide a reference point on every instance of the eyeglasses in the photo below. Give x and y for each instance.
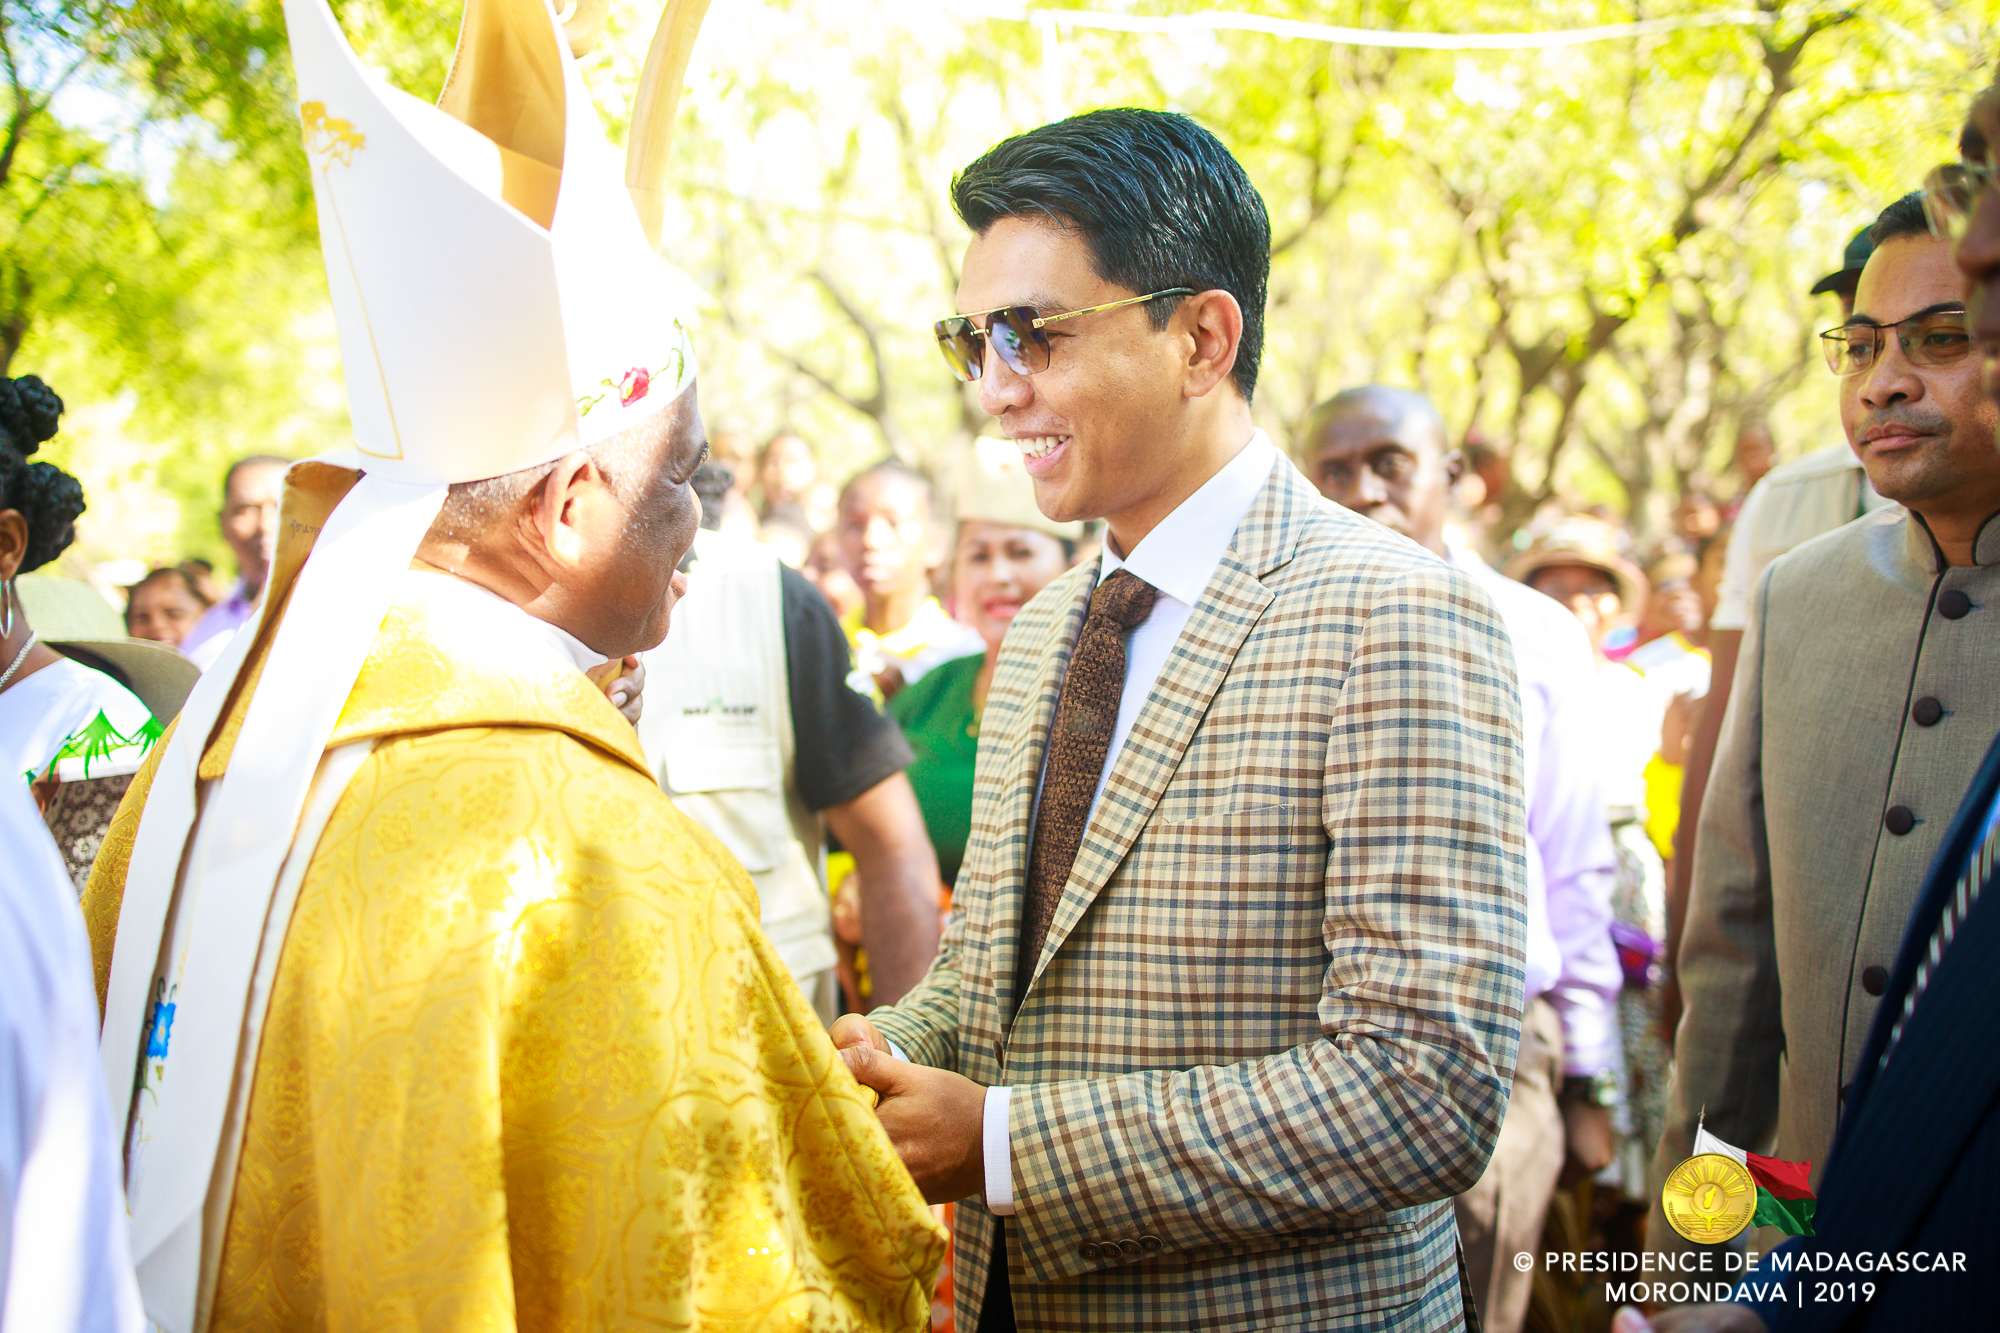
(1935, 339)
(1951, 192)
(1016, 335)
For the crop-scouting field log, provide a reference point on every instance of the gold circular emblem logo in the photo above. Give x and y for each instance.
(1709, 1198)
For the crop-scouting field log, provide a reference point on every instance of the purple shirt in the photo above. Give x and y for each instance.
(217, 626)
(1572, 866)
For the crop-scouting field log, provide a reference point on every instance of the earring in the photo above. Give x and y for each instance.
(7, 595)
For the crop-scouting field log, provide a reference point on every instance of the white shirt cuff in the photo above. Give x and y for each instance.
(897, 1051)
(999, 1160)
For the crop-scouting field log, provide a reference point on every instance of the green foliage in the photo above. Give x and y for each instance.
(159, 249)
(1596, 254)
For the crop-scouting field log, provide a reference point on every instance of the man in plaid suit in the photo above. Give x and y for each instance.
(1228, 1005)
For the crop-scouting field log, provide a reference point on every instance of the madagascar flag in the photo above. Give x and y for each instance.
(1784, 1200)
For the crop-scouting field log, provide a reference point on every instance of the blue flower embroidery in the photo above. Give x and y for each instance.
(156, 1037)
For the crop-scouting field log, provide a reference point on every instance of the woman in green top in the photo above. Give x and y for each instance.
(1005, 553)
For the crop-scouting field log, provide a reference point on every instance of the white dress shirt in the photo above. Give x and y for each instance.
(1179, 557)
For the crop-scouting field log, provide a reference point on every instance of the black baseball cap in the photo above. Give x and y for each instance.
(1852, 260)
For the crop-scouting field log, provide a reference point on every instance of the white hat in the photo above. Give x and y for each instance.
(498, 306)
(73, 618)
(994, 487)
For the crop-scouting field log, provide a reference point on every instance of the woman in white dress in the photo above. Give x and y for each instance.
(61, 722)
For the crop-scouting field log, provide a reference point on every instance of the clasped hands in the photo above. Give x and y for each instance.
(934, 1119)
(623, 680)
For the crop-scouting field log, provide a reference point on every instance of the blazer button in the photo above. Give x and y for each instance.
(1875, 979)
(1843, 1092)
(1150, 1244)
(1899, 820)
(1129, 1248)
(1952, 604)
(1090, 1251)
(1926, 711)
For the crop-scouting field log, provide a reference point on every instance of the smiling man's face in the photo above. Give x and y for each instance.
(1090, 427)
(1923, 433)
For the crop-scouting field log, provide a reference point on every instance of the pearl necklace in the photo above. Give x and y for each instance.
(19, 658)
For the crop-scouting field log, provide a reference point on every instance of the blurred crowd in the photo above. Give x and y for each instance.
(923, 573)
(829, 737)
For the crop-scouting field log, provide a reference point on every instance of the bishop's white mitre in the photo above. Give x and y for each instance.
(498, 303)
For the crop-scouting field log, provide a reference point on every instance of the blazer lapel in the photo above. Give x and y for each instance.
(1020, 777)
(1229, 609)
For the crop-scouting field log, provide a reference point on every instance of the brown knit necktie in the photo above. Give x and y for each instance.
(1086, 715)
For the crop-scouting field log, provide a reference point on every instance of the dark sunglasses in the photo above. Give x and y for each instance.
(1015, 334)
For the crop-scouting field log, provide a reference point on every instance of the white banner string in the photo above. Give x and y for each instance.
(1212, 20)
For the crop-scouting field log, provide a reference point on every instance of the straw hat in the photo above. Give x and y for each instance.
(73, 618)
(1583, 541)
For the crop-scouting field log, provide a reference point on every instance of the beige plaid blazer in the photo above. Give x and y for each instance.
(1271, 1032)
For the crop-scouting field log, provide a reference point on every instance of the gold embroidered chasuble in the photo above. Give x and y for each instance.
(528, 1061)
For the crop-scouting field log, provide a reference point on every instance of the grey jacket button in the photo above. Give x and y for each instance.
(1926, 711)
(1899, 819)
(1875, 979)
(1952, 604)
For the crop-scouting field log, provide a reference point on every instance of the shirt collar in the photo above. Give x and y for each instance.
(450, 593)
(1986, 542)
(1180, 554)
(1923, 547)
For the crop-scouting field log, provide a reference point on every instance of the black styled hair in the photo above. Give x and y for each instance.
(1903, 218)
(1158, 199)
(46, 496)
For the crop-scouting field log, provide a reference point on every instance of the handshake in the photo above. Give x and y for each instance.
(934, 1118)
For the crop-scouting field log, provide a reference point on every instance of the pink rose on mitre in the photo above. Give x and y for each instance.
(633, 385)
